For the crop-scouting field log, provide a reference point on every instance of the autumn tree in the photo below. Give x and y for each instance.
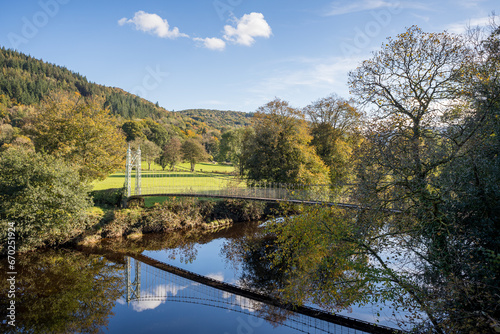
(149, 150)
(417, 88)
(424, 243)
(193, 152)
(155, 132)
(81, 132)
(211, 141)
(471, 201)
(334, 127)
(133, 130)
(171, 154)
(279, 149)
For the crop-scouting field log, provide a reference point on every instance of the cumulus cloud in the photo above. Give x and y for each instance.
(243, 31)
(212, 43)
(247, 28)
(153, 299)
(152, 23)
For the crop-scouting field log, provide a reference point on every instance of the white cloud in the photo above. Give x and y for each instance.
(297, 79)
(244, 303)
(340, 8)
(468, 3)
(247, 28)
(422, 17)
(216, 276)
(461, 27)
(153, 24)
(153, 299)
(212, 43)
(313, 73)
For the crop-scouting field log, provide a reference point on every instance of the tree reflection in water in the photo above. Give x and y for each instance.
(251, 255)
(62, 291)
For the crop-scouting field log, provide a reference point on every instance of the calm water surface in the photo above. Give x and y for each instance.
(101, 290)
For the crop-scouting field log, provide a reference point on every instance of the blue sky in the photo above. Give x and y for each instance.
(223, 54)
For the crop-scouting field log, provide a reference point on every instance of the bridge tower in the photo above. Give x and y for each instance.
(133, 160)
(133, 280)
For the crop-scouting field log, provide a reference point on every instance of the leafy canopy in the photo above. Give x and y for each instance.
(80, 132)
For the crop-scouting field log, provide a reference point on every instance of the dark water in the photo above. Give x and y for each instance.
(101, 290)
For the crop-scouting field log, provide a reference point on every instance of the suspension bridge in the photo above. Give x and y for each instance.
(151, 280)
(199, 184)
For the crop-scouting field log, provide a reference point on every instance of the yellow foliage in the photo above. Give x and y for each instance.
(81, 132)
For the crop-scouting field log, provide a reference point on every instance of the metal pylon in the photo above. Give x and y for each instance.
(133, 160)
(133, 283)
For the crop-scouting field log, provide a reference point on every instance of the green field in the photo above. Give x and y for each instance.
(207, 175)
(208, 180)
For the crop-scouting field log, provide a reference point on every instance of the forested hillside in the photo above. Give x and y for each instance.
(26, 81)
(219, 119)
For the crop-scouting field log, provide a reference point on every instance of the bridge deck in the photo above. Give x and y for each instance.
(250, 198)
(261, 199)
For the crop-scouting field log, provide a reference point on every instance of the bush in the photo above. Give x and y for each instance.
(108, 197)
(43, 197)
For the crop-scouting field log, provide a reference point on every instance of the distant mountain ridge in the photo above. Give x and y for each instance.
(25, 80)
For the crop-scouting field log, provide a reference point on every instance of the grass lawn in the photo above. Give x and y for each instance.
(156, 179)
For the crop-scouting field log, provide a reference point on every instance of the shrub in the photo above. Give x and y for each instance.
(108, 197)
(42, 196)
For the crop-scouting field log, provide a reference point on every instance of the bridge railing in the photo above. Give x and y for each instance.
(210, 184)
(207, 184)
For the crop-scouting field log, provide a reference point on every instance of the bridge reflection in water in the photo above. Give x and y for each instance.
(148, 280)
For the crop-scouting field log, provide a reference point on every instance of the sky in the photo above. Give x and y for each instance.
(223, 54)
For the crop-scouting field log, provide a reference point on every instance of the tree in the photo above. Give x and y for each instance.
(279, 150)
(155, 132)
(193, 152)
(7, 132)
(211, 141)
(80, 132)
(418, 160)
(471, 200)
(42, 196)
(171, 154)
(64, 291)
(149, 150)
(231, 145)
(133, 130)
(416, 84)
(418, 87)
(334, 128)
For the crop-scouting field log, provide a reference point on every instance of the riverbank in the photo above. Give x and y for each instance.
(172, 215)
(108, 221)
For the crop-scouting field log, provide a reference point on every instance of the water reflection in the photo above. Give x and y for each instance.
(100, 290)
(62, 292)
(148, 287)
(250, 256)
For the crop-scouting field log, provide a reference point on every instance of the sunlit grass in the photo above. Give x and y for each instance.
(217, 176)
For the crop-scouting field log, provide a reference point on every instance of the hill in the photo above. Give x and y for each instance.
(219, 119)
(26, 80)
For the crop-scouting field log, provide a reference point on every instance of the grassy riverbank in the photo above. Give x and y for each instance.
(172, 215)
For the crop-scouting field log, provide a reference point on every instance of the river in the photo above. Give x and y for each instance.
(99, 289)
